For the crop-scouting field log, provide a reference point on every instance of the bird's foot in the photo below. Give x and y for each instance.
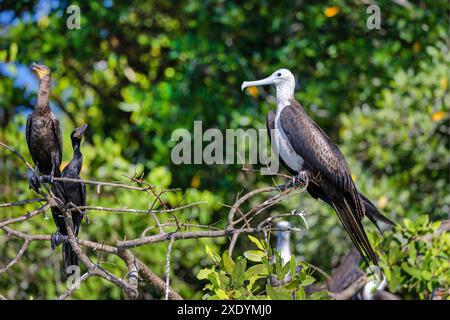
(300, 180)
(33, 180)
(56, 239)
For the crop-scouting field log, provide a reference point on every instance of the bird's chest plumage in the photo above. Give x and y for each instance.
(41, 131)
(43, 144)
(284, 147)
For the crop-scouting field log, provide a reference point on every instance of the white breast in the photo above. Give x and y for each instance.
(284, 147)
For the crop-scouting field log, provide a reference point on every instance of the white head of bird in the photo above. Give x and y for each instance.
(284, 82)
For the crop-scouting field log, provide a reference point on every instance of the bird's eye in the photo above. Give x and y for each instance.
(279, 74)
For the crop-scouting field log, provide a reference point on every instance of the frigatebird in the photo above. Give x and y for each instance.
(71, 193)
(308, 153)
(43, 133)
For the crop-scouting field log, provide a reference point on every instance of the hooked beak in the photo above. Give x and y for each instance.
(38, 70)
(80, 131)
(266, 81)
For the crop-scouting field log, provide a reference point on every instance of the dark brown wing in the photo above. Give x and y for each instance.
(28, 130)
(324, 158)
(320, 154)
(310, 142)
(58, 136)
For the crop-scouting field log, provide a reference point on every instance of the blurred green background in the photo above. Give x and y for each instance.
(135, 72)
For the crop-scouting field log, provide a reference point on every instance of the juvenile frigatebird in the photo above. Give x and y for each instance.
(43, 133)
(308, 153)
(71, 193)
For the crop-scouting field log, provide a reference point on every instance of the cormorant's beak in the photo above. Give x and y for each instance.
(266, 81)
(38, 70)
(80, 131)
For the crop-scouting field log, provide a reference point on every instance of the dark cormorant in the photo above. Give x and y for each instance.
(70, 193)
(43, 133)
(307, 152)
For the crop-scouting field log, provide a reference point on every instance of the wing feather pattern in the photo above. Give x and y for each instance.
(330, 169)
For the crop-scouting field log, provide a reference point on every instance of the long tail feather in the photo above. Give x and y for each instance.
(69, 258)
(347, 213)
(373, 214)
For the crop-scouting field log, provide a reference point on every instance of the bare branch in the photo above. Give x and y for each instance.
(239, 222)
(17, 258)
(71, 289)
(169, 252)
(102, 183)
(27, 216)
(20, 203)
(17, 154)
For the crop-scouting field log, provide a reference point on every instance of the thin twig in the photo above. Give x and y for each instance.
(22, 202)
(103, 183)
(168, 254)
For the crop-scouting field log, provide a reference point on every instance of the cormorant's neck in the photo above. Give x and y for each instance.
(77, 161)
(43, 94)
(285, 93)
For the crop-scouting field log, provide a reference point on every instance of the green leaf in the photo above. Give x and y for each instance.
(426, 275)
(3, 54)
(223, 277)
(204, 273)
(256, 270)
(412, 253)
(271, 292)
(238, 276)
(284, 294)
(308, 280)
(215, 279)
(254, 255)
(319, 295)
(209, 252)
(221, 294)
(257, 242)
(214, 257)
(409, 225)
(285, 270)
(294, 284)
(251, 282)
(278, 263)
(228, 262)
(300, 294)
(13, 49)
(293, 266)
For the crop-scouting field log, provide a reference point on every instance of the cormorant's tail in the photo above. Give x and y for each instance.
(69, 259)
(373, 214)
(349, 212)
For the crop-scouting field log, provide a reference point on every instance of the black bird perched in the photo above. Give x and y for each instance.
(43, 133)
(70, 193)
(308, 153)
